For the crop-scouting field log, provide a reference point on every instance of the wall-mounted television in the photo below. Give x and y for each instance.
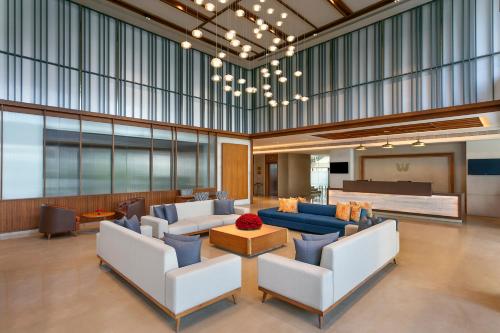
(339, 167)
(478, 167)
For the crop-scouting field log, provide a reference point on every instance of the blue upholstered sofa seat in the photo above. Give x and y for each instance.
(313, 218)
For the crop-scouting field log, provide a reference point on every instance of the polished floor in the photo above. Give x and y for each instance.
(446, 280)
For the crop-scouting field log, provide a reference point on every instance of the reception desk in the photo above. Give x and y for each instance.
(447, 206)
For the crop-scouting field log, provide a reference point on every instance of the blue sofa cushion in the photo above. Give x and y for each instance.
(159, 212)
(188, 252)
(170, 213)
(133, 224)
(223, 207)
(334, 236)
(315, 209)
(310, 251)
(184, 238)
(321, 220)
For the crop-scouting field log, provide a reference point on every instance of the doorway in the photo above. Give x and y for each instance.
(272, 179)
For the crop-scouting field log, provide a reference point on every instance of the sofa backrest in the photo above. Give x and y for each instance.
(316, 209)
(354, 258)
(141, 259)
(191, 209)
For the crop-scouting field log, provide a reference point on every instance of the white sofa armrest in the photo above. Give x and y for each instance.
(147, 230)
(193, 285)
(307, 284)
(158, 225)
(241, 210)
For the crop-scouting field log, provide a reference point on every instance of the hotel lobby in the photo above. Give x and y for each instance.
(249, 165)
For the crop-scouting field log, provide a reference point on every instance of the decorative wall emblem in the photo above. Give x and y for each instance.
(403, 167)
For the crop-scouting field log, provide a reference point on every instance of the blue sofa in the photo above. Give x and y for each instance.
(318, 219)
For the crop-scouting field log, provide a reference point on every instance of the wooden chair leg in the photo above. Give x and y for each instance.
(177, 324)
(234, 299)
(320, 321)
(48, 236)
(264, 296)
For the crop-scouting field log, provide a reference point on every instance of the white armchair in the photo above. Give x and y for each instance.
(345, 265)
(151, 266)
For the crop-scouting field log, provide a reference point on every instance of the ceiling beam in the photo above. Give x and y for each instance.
(297, 13)
(341, 7)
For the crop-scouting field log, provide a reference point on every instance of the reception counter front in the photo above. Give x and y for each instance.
(401, 197)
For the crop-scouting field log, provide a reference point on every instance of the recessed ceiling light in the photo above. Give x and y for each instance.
(228, 77)
(243, 55)
(197, 33)
(275, 62)
(235, 42)
(282, 79)
(216, 62)
(241, 81)
(237, 93)
(257, 7)
(246, 48)
(240, 13)
(186, 45)
(216, 78)
(284, 15)
(297, 73)
(272, 48)
(210, 6)
(276, 40)
(278, 72)
(279, 23)
(227, 88)
(270, 11)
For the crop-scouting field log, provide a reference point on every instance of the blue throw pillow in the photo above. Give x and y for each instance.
(159, 212)
(364, 223)
(183, 238)
(121, 222)
(188, 253)
(170, 213)
(223, 207)
(133, 224)
(310, 251)
(334, 236)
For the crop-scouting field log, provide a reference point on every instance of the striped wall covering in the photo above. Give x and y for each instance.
(58, 53)
(444, 53)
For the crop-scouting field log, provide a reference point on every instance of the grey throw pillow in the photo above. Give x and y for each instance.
(334, 236)
(159, 212)
(121, 222)
(188, 252)
(364, 223)
(223, 207)
(310, 251)
(133, 224)
(170, 213)
(183, 238)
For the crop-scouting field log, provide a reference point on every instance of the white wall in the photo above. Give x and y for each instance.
(342, 155)
(220, 141)
(483, 192)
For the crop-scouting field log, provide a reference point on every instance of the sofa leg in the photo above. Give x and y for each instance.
(394, 261)
(264, 296)
(48, 236)
(320, 321)
(100, 262)
(177, 324)
(234, 299)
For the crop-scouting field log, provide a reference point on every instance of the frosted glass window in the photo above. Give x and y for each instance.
(22, 156)
(97, 143)
(132, 159)
(213, 160)
(186, 160)
(162, 159)
(62, 156)
(203, 161)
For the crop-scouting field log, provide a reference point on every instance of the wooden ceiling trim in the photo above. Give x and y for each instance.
(340, 6)
(296, 13)
(166, 23)
(451, 111)
(451, 124)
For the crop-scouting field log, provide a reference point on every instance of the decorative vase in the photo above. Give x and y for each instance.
(248, 222)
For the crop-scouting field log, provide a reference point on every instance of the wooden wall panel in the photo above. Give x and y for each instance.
(24, 214)
(235, 170)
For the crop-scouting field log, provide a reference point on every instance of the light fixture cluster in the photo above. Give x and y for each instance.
(388, 145)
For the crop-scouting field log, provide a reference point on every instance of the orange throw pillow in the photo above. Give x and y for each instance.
(302, 199)
(343, 211)
(282, 204)
(365, 205)
(291, 206)
(355, 212)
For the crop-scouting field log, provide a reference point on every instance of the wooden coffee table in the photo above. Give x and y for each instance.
(248, 242)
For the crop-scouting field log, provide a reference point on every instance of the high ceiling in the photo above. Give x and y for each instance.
(305, 19)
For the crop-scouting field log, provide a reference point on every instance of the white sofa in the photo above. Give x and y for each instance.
(151, 266)
(193, 217)
(345, 265)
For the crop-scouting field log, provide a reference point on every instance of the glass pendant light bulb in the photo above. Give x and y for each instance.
(198, 2)
(256, 7)
(256, 30)
(227, 88)
(266, 75)
(266, 86)
(273, 103)
(259, 21)
(285, 103)
(240, 13)
(197, 33)
(284, 15)
(210, 6)
(258, 35)
(275, 62)
(297, 96)
(272, 48)
(246, 48)
(278, 72)
(290, 38)
(297, 73)
(216, 78)
(243, 55)
(276, 40)
(264, 70)
(216, 62)
(221, 55)
(304, 98)
(248, 90)
(264, 27)
(289, 53)
(235, 42)
(270, 11)
(242, 81)
(237, 93)
(268, 94)
(279, 23)
(282, 79)
(230, 34)
(228, 77)
(186, 45)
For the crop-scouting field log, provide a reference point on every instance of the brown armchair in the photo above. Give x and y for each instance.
(131, 207)
(55, 220)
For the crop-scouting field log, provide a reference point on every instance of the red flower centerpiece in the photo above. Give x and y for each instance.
(99, 211)
(248, 222)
